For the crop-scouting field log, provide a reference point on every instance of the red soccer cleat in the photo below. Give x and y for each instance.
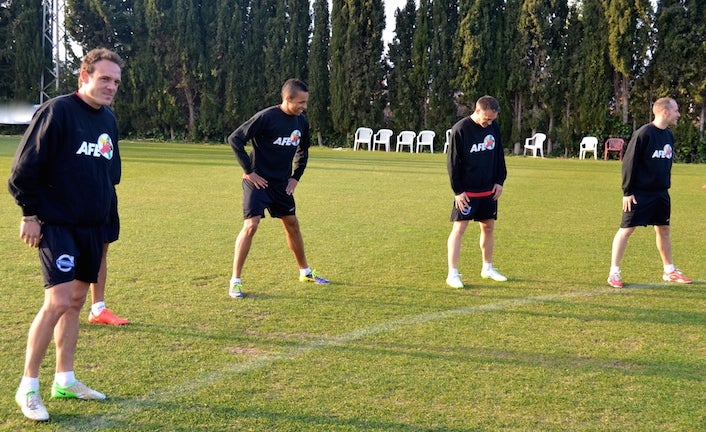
(676, 276)
(614, 280)
(106, 317)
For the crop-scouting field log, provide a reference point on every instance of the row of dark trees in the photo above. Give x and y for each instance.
(196, 68)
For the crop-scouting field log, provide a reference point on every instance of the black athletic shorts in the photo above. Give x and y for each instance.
(111, 230)
(67, 253)
(274, 198)
(652, 208)
(479, 209)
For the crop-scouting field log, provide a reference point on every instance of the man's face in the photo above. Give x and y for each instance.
(485, 117)
(295, 105)
(98, 88)
(672, 113)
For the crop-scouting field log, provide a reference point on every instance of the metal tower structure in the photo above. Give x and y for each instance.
(54, 41)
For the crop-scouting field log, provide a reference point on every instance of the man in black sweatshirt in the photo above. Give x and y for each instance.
(63, 178)
(477, 171)
(647, 168)
(280, 150)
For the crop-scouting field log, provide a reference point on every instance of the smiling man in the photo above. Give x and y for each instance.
(63, 178)
(280, 150)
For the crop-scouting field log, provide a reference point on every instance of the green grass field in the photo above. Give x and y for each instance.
(387, 346)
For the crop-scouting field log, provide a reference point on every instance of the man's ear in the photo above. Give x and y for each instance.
(83, 77)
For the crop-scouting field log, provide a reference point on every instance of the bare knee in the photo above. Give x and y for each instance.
(291, 224)
(250, 227)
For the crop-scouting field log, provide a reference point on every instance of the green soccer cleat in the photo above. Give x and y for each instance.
(77, 390)
(313, 277)
(235, 290)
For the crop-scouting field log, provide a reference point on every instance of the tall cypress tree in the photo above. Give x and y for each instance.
(399, 56)
(30, 59)
(297, 40)
(628, 39)
(593, 88)
(320, 96)
(444, 65)
(420, 74)
(356, 67)
(7, 55)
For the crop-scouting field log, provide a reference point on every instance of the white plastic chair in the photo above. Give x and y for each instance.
(535, 143)
(405, 138)
(426, 138)
(382, 138)
(588, 144)
(363, 135)
(447, 143)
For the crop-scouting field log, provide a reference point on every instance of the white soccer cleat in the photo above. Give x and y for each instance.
(493, 274)
(454, 281)
(31, 405)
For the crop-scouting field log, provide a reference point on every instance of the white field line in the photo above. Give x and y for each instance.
(167, 394)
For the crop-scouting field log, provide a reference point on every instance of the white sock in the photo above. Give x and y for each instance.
(487, 266)
(453, 272)
(28, 384)
(97, 308)
(235, 280)
(304, 272)
(669, 268)
(64, 378)
(614, 269)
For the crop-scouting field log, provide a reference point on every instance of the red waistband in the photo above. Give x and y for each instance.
(479, 194)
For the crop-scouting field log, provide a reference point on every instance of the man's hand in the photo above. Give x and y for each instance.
(256, 180)
(461, 201)
(497, 191)
(628, 201)
(291, 184)
(31, 231)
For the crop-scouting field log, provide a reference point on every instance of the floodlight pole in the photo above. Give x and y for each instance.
(54, 41)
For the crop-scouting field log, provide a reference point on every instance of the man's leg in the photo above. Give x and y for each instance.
(99, 314)
(487, 245)
(295, 241)
(664, 243)
(98, 288)
(620, 243)
(66, 329)
(487, 240)
(453, 244)
(243, 243)
(66, 386)
(57, 301)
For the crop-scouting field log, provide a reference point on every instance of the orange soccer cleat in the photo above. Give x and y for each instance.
(107, 317)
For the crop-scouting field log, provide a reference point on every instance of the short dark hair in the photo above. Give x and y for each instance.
(486, 103)
(97, 54)
(293, 86)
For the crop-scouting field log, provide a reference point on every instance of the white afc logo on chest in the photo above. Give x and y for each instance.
(487, 144)
(103, 148)
(291, 140)
(665, 153)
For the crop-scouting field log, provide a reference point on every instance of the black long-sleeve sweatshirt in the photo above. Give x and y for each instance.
(278, 140)
(67, 164)
(647, 163)
(476, 160)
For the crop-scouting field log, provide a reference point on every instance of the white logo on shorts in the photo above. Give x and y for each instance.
(65, 263)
